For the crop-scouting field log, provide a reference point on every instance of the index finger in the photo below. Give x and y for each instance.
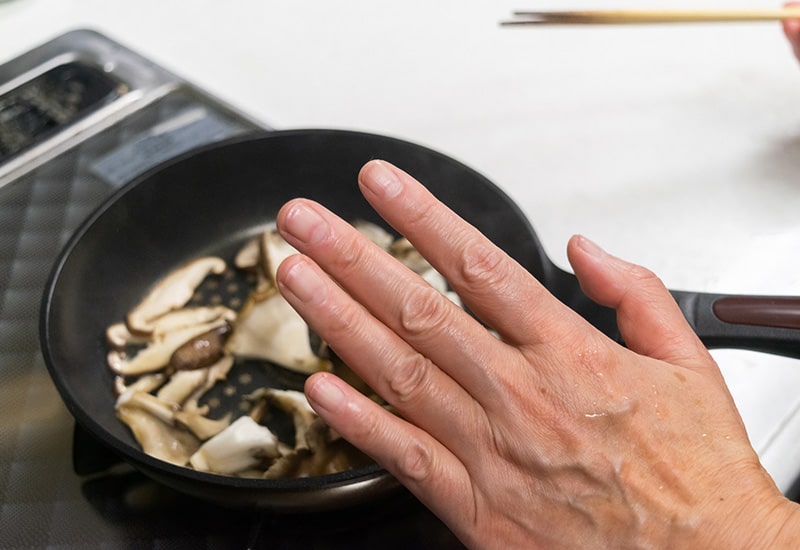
(496, 288)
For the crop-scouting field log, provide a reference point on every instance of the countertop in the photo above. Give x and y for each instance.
(677, 147)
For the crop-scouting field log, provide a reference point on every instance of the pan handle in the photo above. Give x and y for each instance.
(769, 324)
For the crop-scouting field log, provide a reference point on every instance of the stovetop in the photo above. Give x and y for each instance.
(89, 115)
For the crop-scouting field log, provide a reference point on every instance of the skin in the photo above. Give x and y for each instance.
(551, 435)
(791, 28)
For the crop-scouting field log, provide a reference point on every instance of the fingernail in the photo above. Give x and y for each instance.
(305, 224)
(305, 283)
(323, 391)
(590, 247)
(379, 178)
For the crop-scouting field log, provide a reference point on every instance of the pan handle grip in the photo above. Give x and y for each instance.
(769, 324)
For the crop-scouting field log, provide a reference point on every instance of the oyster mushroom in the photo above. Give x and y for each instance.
(268, 328)
(249, 255)
(200, 425)
(238, 448)
(172, 292)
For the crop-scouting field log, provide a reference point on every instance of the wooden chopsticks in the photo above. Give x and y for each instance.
(630, 17)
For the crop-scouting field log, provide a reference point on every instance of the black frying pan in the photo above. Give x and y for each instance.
(210, 201)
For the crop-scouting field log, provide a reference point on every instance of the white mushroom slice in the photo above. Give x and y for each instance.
(239, 447)
(158, 408)
(118, 336)
(270, 329)
(202, 426)
(249, 255)
(189, 317)
(295, 403)
(274, 249)
(182, 385)
(146, 383)
(215, 373)
(159, 440)
(374, 233)
(172, 292)
(158, 354)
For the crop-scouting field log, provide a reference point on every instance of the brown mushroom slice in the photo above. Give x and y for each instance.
(337, 456)
(270, 329)
(156, 437)
(201, 351)
(172, 292)
(157, 355)
(241, 446)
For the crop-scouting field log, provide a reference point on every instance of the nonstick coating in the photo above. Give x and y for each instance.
(207, 202)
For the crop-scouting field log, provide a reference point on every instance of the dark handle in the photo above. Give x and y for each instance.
(769, 324)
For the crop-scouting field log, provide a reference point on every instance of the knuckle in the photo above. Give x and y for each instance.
(483, 266)
(416, 462)
(424, 311)
(409, 378)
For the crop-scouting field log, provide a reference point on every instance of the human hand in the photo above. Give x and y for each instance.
(552, 435)
(791, 28)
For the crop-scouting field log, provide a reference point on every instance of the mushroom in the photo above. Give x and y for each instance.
(201, 351)
(118, 336)
(269, 328)
(157, 355)
(238, 448)
(296, 405)
(249, 255)
(150, 420)
(200, 425)
(172, 292)
(274, 249)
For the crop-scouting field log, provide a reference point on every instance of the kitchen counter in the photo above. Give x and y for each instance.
(677, 147)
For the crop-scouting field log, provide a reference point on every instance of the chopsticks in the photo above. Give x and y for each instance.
(629, 17)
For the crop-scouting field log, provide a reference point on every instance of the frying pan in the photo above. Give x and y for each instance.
(211, 200)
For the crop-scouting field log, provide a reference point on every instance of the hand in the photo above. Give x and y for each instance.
(552, 435)
(791, 28)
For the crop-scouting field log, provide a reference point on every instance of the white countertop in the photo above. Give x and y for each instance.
(677, 147)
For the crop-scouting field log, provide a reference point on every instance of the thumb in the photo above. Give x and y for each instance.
(649, 319)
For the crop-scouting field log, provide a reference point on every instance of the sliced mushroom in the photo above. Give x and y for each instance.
(118, 336)
(182, 385)
(270, 329)
(201, 351)
(200, 425)
(241, 446)
(337, 456)
(249, 255)
(157, 355)
(274, 249)
(146, 383)
(172, 292)
(158, 438)
(296, 405)
(215, 373)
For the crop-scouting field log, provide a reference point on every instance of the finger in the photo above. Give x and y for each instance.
(399, 298)
(494, 286)
(405, 378)
(649, 319)
(791, 28)
(427, 468)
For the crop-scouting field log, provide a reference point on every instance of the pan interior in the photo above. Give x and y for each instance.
(210, 202)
